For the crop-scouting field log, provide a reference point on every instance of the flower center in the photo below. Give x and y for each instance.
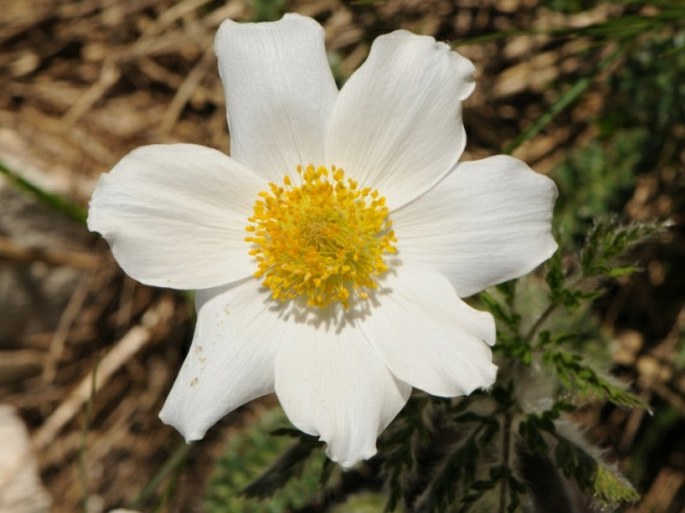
(323, 240)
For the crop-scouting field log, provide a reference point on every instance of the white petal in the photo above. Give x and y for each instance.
(331, 383)
(396, 124)
(428, 337)
(489, 221)
(231, 359)
(175, 215)
(279, 92)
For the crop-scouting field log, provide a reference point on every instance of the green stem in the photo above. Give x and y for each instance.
(52, 200)
(528, 337)
(170, 465)
(566, 99)
(619, 28)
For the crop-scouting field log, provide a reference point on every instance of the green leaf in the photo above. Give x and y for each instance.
(612, 488)
(266, 10)
(531, 435)
(54, 201)
(567, 98)
(285, 468)
(251, 452)
(604, 483)
(502, 312)
(580, 378)
(451, 480)
(609, 240)
(399, 444)
(560, 293)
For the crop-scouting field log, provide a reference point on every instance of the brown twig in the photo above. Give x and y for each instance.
(137, 337)
(59, 338)
(57, 257)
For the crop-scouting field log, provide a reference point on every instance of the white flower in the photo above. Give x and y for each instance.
(362, 312)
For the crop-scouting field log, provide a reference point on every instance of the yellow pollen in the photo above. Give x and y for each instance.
(323, 240)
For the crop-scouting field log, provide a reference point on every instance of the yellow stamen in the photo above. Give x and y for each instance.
(323, 240)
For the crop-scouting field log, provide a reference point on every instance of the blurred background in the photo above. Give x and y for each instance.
(590, 92)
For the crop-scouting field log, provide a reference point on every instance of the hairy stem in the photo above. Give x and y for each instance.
(540, 321)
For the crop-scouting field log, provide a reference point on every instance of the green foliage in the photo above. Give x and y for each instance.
(56, 202)
(366, 502)
(653, 83)
(509, 339)
(576, 463)
(586, 466)
(608, 240)
(400, 444)
(561, 292)
(291, 482)
(463, 454)
(585, 382)
(573, 279)
(574, 459)
(566, 99)
(603, 255)
(593, 179)
(266, 10)
(569, 6)
(289, 465)
(457, 473)
(610, 487)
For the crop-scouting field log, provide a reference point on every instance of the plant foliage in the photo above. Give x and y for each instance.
(484, 452)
